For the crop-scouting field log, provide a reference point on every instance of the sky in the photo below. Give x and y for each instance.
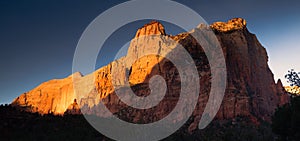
(38, 38)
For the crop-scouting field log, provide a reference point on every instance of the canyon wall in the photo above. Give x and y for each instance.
(251, 90)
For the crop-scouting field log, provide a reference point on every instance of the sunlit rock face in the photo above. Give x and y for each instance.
(73, 109)
(293, 89)
(231, 25)
(152, 28)
(251, 90)
(53, 96)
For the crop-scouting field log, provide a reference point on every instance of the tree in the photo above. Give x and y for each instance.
(293, 78)
(286, 120)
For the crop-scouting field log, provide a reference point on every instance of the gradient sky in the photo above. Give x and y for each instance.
(38, 38)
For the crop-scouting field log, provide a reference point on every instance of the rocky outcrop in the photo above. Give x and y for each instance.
(73, 109)
(251, 90)
(153, 28)
(231, 25)
(283, 94)
(53, 96)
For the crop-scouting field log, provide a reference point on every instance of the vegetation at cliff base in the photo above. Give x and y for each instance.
(286, 120)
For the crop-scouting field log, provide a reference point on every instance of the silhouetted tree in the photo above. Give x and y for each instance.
(293, 78)
(286, 120)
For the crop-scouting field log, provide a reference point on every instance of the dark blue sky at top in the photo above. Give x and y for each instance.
(38, 38)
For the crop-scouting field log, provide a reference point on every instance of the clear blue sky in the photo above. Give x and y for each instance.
(38, 38)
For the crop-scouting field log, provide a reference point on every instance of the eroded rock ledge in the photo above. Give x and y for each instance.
(156, 28)
(231, 25)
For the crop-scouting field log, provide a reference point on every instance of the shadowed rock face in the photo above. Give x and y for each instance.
(251, 90)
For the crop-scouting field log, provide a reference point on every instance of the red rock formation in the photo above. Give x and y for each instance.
(251, 90)
(251, 87)
(73, 109)
(282, 93)
(53, 96)
(153, 28)
(231, 25)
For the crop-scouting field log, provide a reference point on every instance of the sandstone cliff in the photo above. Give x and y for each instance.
(251, 90)
(153, 28)
(53, 96)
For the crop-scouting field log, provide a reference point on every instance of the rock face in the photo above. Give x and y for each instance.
(73, 109)
(231, 25)
(53, 96)
(153, 28)
(251, 90)
(281, 91)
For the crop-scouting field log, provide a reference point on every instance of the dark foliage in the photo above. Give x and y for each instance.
(18, 125)
(286, 121)
(23, 126)
(239, 129)
(293, 78)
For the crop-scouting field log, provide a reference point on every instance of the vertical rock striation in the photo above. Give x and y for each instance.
(251, 90)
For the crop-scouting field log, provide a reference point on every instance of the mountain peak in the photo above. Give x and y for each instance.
(231, 25)
(152, 28)
(279, 83)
